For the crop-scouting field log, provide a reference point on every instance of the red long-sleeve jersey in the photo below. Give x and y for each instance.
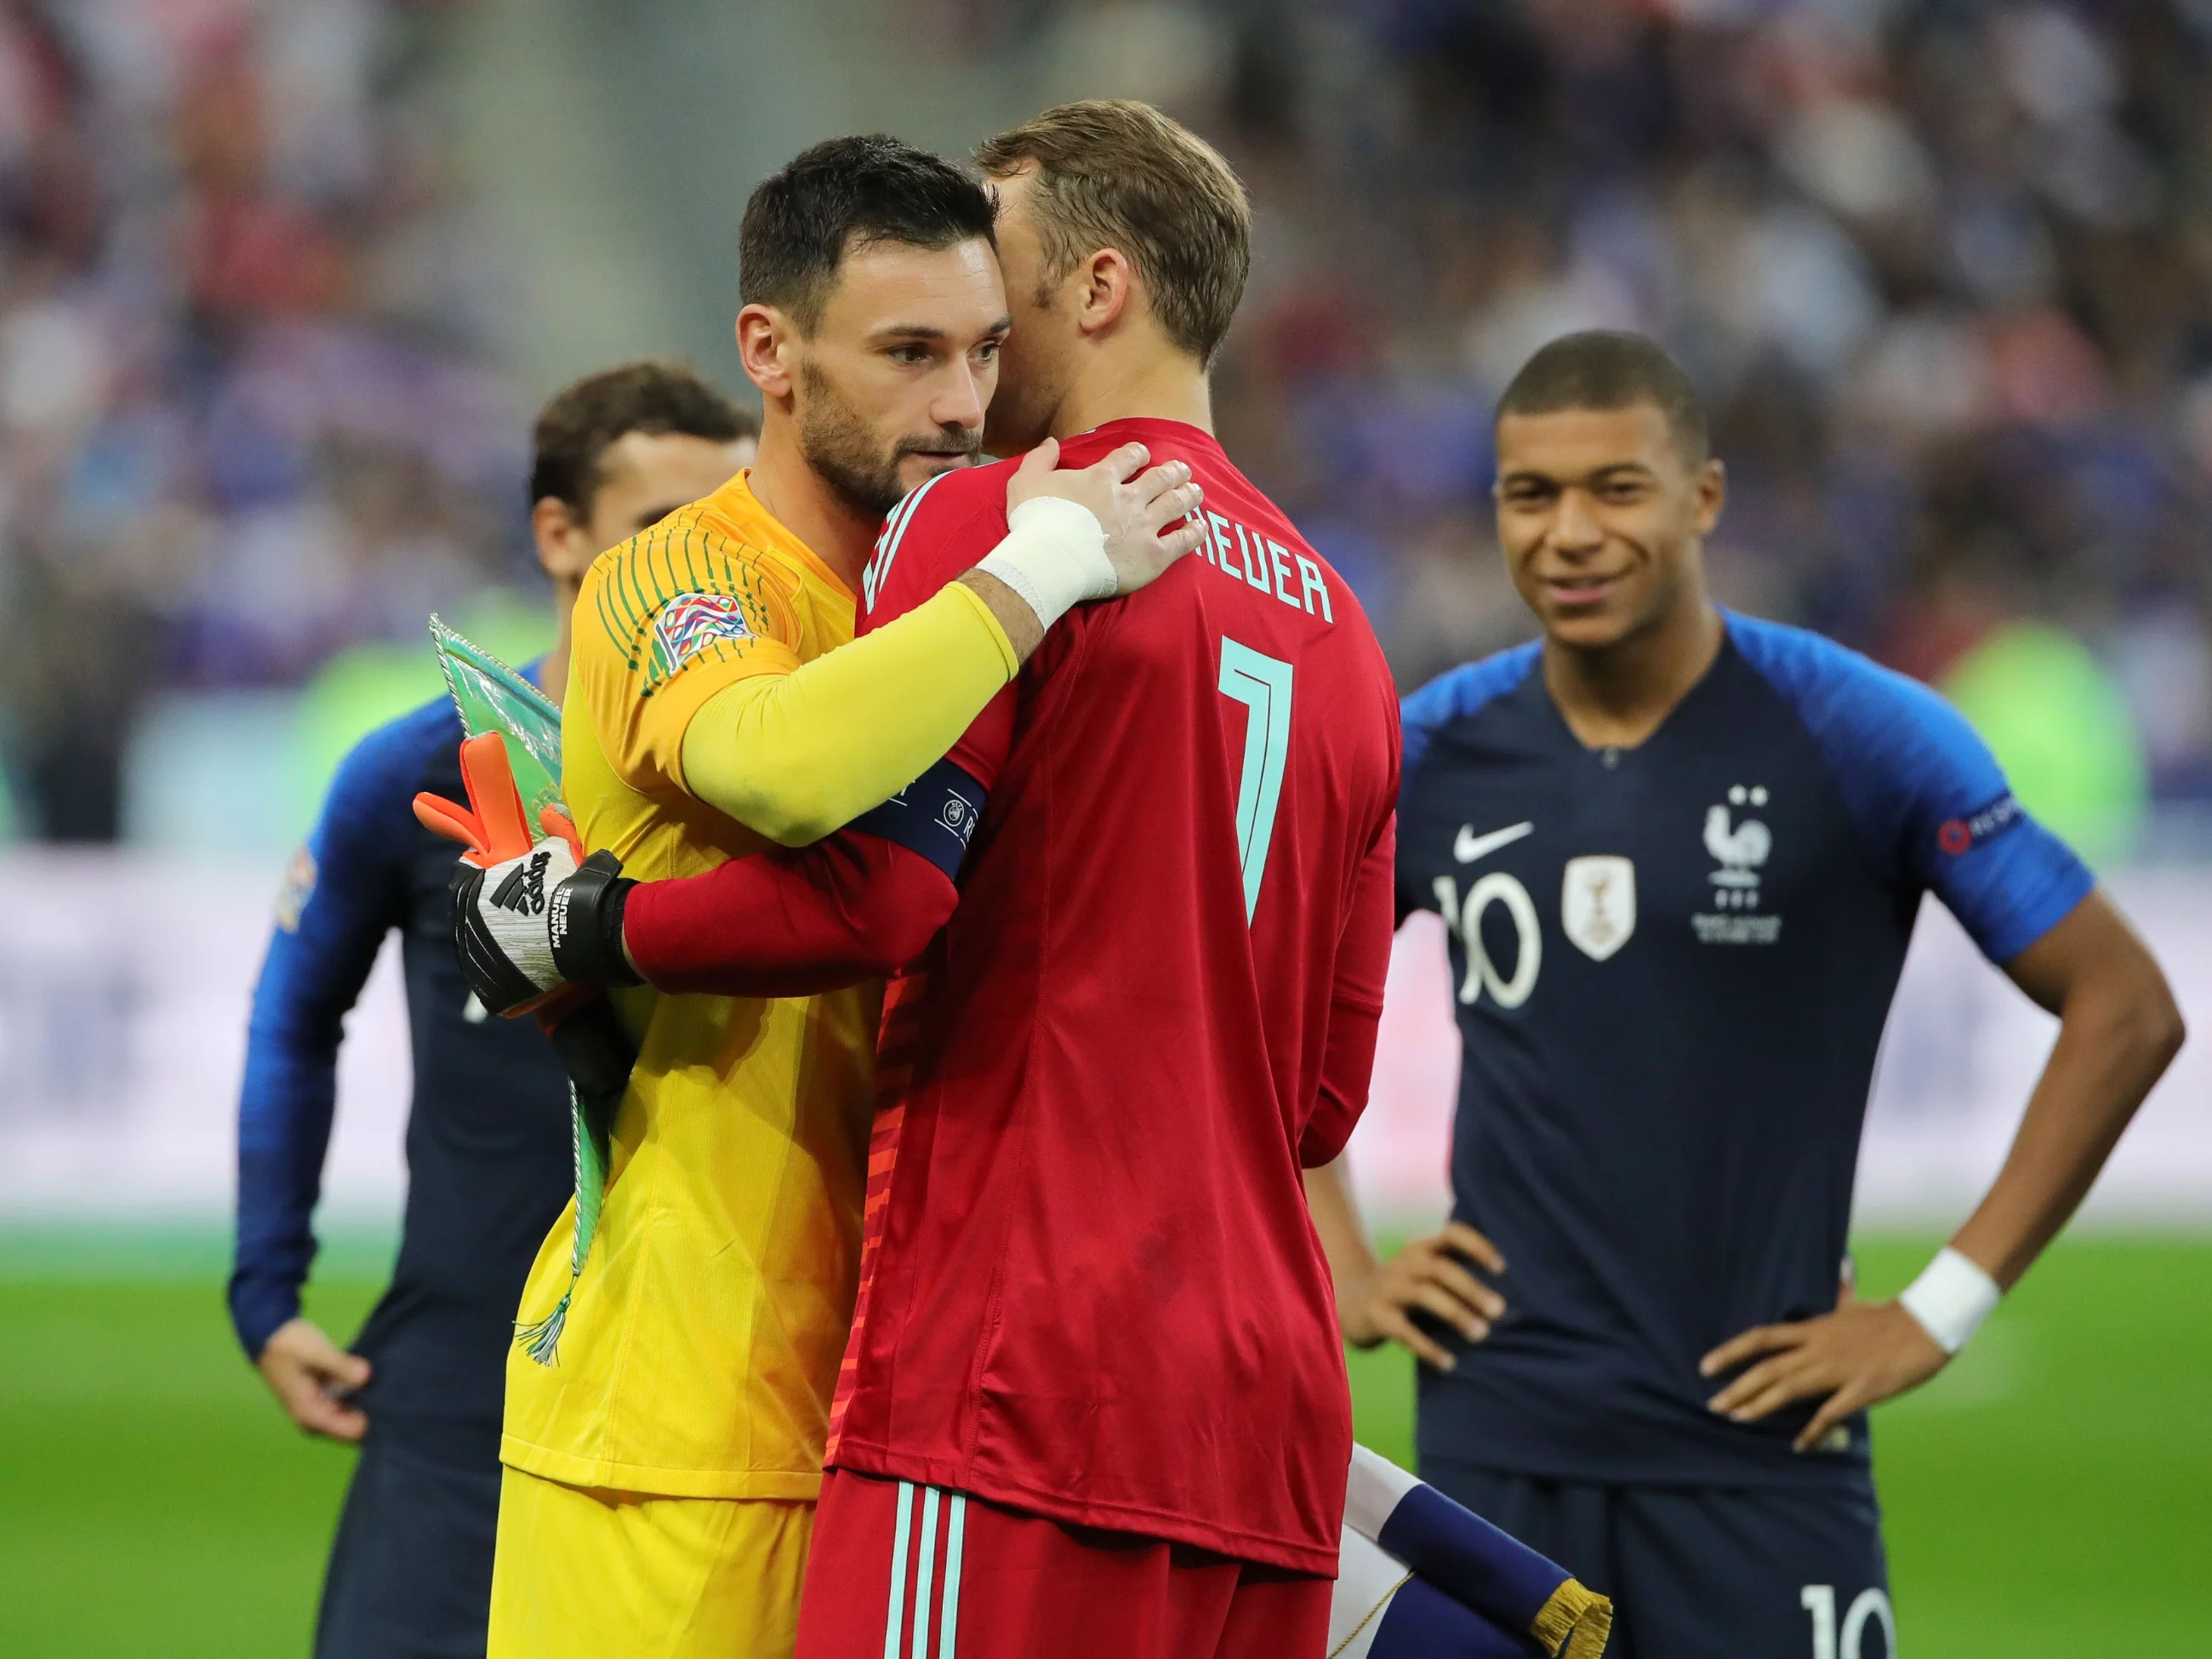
(1090, 1290)
(1094, 1292)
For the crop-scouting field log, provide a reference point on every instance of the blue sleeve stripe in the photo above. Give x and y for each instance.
(2008, 898)
(1927, 802)
(934, 816)
(1457, 693)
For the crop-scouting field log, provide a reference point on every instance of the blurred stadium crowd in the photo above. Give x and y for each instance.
(1943, 267)
(1944, 272)
(244, 413)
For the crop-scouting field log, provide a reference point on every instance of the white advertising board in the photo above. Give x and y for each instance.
(1962, 1050)
(126, 982)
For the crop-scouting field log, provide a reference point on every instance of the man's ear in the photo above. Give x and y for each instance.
(564, 547)
(765, 337)
(1107, 290)
(1711, 485)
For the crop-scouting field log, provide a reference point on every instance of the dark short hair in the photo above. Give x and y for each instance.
(842, 196)
(576, 428)
(1608, 368)
(1115, 172)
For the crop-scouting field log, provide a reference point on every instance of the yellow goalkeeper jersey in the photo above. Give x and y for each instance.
(702, 1344)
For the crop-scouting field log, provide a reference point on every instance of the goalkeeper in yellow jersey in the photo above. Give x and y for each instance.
(664, 1436)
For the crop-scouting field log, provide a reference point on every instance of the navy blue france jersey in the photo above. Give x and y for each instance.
(1673, 965)
(488, 1146)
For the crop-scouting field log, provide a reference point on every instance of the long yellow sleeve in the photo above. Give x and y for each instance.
(798, 755)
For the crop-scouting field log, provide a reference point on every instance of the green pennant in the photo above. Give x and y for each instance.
(492, 697)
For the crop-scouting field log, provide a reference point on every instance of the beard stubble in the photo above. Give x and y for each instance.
(841, 445)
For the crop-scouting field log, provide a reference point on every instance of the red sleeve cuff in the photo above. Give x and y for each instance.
(789, 922)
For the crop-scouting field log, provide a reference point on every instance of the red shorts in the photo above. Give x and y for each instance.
(921, 1573)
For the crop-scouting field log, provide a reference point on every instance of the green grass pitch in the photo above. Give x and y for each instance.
(2050, 1494)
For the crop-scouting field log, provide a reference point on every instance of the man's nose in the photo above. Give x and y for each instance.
(962, 396)
(1575, 528)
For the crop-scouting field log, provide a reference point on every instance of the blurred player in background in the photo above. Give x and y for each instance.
(488, 1143)
(1636, 1358)
(661, 1475)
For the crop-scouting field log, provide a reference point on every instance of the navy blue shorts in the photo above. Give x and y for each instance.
(1706, 1572)
(410, 1570)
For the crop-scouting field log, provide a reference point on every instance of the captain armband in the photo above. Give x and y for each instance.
(1951, 1298)
(934, 816)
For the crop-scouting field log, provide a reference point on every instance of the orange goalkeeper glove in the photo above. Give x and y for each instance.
(529, 914)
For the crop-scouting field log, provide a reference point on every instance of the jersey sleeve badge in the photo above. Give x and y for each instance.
(1961, 835)
(298, 887)
(689, 622)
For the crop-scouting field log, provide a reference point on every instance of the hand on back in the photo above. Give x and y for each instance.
(1138, 508)
(1860, 1355)
(1426, 1276)
(314, 1380)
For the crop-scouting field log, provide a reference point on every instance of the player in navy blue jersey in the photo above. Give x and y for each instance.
(1679, 853)
(488, 1138)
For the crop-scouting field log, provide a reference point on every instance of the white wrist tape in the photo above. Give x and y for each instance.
(1951, 1298)
(1054, 556)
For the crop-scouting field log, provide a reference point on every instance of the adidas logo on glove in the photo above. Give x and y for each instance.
(524, 890)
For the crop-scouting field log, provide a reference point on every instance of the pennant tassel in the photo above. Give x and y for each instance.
(589, 1124)
(491, 697)
(1574, 1624)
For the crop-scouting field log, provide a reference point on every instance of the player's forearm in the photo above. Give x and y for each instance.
(263, 1292)
(1022, 627)
(284, 1126)
(2118, 1033)
(2118, 1028)
(286, 1101)
(796, 755)
(1344, 1241)
(852, 907)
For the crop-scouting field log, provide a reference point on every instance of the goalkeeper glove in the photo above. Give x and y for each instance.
(535, 920)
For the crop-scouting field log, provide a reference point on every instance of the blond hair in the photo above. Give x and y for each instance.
(1115, 172)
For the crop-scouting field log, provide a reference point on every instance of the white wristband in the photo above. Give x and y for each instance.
(1951, 1298)
(1054, 556)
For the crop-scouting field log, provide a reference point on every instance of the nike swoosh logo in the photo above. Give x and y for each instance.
(1469, 846)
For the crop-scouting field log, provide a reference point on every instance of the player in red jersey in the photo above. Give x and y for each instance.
(1092, 1296)
(1094, 1401)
